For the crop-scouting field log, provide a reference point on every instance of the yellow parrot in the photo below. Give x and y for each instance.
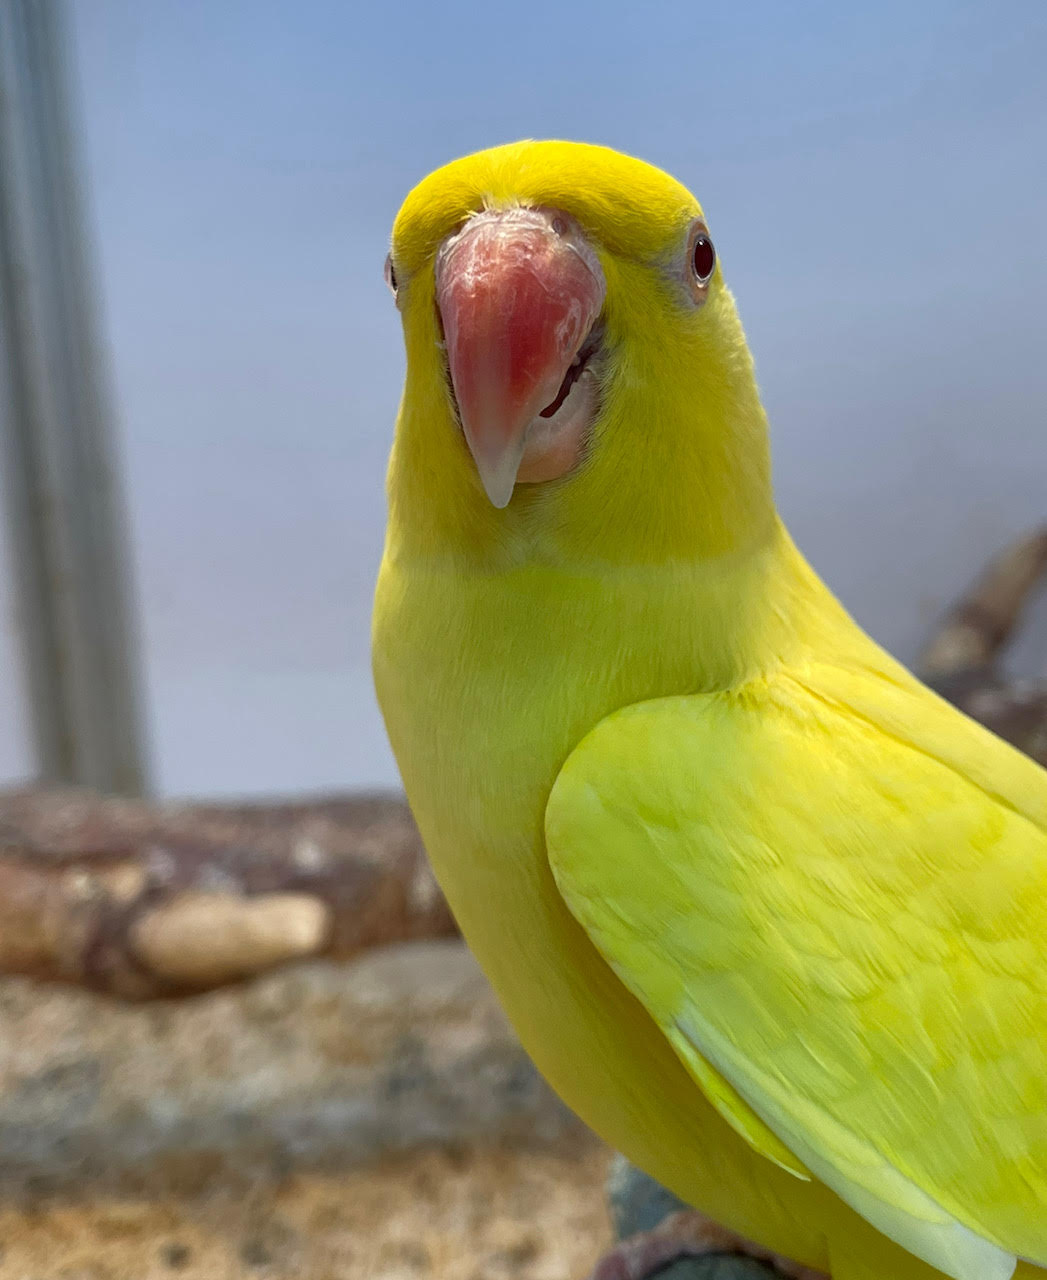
(768, 914)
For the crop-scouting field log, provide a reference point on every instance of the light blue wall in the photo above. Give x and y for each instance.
(873, 175)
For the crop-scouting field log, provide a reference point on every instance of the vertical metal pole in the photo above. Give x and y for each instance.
(58, 457)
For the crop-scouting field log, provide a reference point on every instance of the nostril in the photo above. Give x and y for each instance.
(560, 225)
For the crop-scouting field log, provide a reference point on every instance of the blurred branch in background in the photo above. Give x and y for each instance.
(961, 662)
(59, 462)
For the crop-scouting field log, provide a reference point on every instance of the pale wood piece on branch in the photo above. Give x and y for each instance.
(144, 902)
(203, 939)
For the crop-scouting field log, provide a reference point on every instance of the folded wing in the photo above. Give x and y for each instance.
(830, 892)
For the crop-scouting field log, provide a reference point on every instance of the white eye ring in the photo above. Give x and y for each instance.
(390, 276)
(701, 261)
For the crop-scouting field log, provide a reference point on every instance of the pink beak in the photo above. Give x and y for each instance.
(518, 292)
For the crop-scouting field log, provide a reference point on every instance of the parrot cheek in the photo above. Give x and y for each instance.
(519, 292)
(554, 446)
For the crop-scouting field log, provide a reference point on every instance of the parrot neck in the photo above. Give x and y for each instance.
(666, 507)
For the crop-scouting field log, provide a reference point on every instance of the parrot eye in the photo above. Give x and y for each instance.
(390, 275)
(701, 261)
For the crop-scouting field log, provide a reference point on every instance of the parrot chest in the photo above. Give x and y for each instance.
(486, 687)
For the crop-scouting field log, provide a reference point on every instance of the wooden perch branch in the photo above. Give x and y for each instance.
(983, 620)
(141, 903)
(961, 661)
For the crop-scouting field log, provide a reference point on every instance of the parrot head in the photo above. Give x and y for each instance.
(576, 372)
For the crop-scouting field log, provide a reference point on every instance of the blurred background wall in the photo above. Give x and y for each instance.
(873, 176)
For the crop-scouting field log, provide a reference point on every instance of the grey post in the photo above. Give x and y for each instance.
(62, 488)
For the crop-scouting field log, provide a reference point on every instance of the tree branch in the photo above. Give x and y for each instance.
(143, 902)
(962, 660)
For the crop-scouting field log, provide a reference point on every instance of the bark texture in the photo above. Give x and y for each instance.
(141, 901)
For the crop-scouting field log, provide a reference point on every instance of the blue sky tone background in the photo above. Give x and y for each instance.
(874, 178)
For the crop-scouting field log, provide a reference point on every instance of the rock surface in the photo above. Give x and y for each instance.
(372, 1120)
(320, 1065)
(507, 1212)
(637, 1202)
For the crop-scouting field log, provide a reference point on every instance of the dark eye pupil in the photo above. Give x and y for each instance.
(704, 258)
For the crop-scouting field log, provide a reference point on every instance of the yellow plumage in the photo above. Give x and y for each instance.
(768, 914)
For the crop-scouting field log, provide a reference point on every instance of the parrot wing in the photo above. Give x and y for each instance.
(829, 890)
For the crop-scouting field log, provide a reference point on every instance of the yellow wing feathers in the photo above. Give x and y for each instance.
(838, 920)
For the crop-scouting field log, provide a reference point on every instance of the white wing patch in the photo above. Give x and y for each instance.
(858, 1173)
